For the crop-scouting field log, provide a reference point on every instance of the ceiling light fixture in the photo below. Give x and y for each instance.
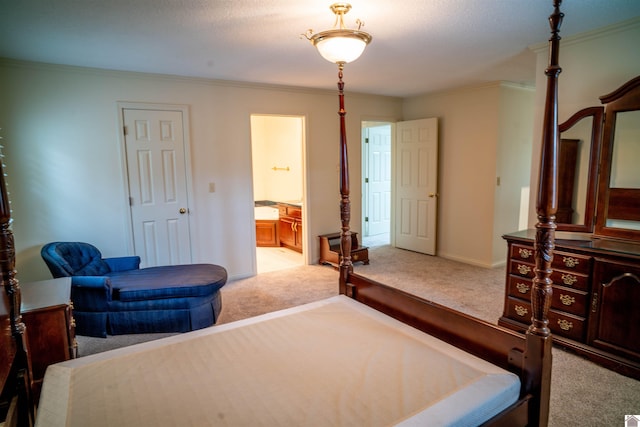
(340, 45)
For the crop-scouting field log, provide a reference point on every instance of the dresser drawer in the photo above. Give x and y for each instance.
(569, 301)
(570, 280)
(560, 323)
(519, 310)
(522, 269)
(563, 299)
(571, 262)
(522, 252)
(520, 287)
(567, 325)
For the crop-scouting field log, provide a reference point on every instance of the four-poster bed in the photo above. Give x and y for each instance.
(270, 374)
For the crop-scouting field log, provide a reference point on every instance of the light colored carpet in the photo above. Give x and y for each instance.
(583, 394)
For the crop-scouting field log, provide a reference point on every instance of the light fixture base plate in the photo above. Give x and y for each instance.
(340, 8)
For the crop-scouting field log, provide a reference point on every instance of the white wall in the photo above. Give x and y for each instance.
(65, 173)
(593, 64)
(485, 132)
(513, 167)
(277, 143)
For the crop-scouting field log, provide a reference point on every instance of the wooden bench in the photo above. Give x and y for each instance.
(330, 249)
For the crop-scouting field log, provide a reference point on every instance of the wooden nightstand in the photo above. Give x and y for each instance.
(330, 249)
(47, 313)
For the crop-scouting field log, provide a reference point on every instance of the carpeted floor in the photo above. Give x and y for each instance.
(583, 394)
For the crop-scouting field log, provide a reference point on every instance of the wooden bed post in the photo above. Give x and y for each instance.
(8, 261)
(11, 286)
(538, 374)
(346, 266)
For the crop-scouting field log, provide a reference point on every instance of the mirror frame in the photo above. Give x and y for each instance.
(625, 98)
(597, 114)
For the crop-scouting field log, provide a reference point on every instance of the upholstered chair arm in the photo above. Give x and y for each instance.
(123, 263)
(90, 293)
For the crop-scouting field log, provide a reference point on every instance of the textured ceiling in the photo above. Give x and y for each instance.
(418, 46)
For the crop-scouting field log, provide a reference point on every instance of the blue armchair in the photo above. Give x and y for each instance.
(115, 296)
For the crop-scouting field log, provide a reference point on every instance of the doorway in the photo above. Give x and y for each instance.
(376, 179)
(277, 147)
(399, 205)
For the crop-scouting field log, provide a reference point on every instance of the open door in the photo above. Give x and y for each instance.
(416, 185)
(377, 178)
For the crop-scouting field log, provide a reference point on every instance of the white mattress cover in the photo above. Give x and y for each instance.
(332, 362)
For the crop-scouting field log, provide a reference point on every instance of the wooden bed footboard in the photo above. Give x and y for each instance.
(500, 346)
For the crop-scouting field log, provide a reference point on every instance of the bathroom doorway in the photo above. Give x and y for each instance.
(277, 146)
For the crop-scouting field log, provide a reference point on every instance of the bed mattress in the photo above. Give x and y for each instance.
(335, 362)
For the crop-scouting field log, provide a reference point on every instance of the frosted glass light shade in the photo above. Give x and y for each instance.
(341, 46)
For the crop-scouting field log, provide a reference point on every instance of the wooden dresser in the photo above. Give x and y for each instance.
(47, 314)
(595, 309)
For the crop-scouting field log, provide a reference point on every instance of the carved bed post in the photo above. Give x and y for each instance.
(538, 335)
(346, 266)
(8, 258)
(11, 286)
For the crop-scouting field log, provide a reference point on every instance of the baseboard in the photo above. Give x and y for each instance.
(469, 261)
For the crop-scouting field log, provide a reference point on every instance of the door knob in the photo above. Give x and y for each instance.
(183, 210)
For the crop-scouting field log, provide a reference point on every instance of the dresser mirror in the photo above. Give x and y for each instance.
(618, 207)
(579, 153)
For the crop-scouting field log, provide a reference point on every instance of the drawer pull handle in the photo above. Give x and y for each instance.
(570, 261)
(524, 269)
(594, 303)
(567, 299)
(569, 279)
(525, 253)
(520, 310)
(565, 325)
(620, 277)
(523, 288)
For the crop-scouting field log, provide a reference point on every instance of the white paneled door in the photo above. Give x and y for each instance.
(377, 180)
(158, 196)
(416, 185)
